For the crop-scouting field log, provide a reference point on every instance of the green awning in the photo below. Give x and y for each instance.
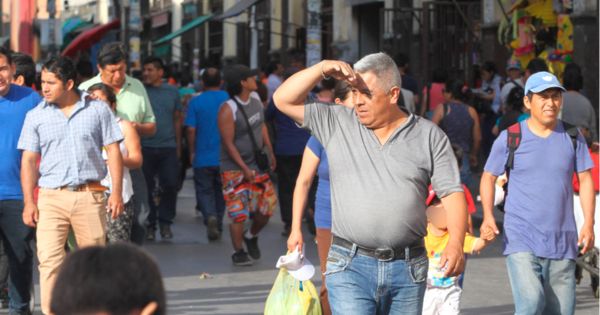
(189, 26)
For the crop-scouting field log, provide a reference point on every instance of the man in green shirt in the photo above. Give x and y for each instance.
(133, 105)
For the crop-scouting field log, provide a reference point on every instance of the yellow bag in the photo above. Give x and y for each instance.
(290, 296)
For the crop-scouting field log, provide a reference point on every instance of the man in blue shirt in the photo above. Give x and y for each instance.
(204, 141)
(539, 226)
(68, 131)
(15, 102)
(162, 150)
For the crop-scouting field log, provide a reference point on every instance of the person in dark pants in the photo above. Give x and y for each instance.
(204, 142)
(132, 105)
(162, 151)
(15, 102)
(290, 141)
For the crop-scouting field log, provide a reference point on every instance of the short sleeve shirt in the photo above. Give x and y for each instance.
(133, 103)
(539, 205)
(165, 102)
(70, 147)
(202, 114)
(13, 108)
(378, 192)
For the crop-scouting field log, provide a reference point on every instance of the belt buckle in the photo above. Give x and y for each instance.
(71, 188)
(384, 254)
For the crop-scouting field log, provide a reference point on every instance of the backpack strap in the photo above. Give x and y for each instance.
(513, 140)
(573, 132)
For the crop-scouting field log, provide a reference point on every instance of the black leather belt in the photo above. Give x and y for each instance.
(384, 253)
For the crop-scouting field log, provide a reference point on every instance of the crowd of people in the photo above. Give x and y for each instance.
(99, 159)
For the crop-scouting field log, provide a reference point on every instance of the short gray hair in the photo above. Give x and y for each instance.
(384, 68)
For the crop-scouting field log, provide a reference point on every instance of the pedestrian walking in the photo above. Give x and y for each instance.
(381, 160)
(134, 106)
(314, 162)
(289, 144)
(119, 229)
(162, 150)
(246, 158)
(513, 79)
(204, 141)
(577, 109)
(540, 235)
(15, 102)
(432, 93)
(460, 122)
(68, 131)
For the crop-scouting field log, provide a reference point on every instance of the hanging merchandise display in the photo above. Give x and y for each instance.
(538, 29)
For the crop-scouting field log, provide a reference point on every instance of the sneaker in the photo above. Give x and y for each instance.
(212, 229)
(252, 245)
(241, 258)
(151, 234)
(165, 232)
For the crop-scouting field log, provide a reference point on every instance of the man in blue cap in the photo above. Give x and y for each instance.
(541, 239)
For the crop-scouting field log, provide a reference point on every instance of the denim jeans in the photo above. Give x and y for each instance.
(17, 237)
(540, 285)
(209, 193)
(161, 162)
(141, 206)
(361, 285)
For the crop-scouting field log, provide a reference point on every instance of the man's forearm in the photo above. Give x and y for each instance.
(145, 129)
(29, 179)
(234, 154)
(487, 191)
(178, 132)
(295, 89)
(587, 197)
(191, 140)
(456, 216)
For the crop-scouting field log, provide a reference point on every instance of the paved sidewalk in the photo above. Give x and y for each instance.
(243, 290)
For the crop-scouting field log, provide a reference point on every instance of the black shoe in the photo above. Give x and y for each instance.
(286, 231)
(165, 232)
(241, 258)
(151, 234)
(252, 246)
(212, 229)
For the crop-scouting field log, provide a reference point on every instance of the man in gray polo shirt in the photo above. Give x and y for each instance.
(381, 161)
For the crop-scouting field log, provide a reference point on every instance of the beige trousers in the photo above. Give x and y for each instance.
(60, 210)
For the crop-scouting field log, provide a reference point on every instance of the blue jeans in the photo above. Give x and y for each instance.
(361, 285)
(164, 164)
(17, 237)
(209, 193)
(540, 285)
(141, 207)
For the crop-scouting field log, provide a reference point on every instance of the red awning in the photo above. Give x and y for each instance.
(88, 38)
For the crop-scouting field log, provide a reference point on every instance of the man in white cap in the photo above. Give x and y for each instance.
(513, 79)
(541, 239)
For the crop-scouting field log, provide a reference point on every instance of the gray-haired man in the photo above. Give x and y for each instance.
(381, 160)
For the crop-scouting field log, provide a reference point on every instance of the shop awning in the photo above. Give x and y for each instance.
(237, 9)
(189, 26)
(88, 38)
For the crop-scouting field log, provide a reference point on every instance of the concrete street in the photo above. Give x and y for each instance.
(226, 289)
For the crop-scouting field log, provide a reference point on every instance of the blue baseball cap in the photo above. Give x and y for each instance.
(541, 81)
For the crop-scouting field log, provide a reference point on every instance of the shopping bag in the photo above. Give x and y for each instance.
(290, 296)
